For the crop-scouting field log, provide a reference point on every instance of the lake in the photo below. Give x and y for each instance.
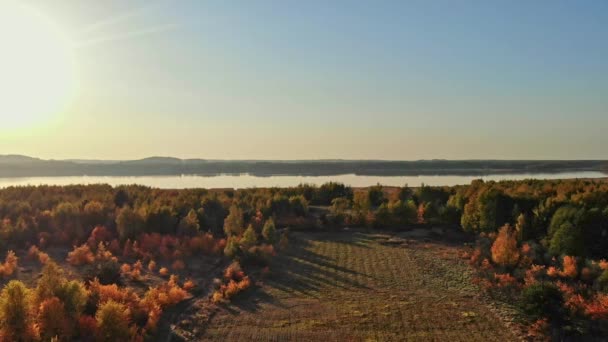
(250, 181)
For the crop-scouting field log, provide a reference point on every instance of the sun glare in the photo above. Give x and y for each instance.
(37, 71)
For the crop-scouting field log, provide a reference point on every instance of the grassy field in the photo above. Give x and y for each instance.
(355, 286)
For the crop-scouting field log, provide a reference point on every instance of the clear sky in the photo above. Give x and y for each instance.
(321, 79)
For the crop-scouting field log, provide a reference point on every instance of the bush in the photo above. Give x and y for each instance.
(81, 256)
(542, 300)
(328, 191)
(113, 322)
(10, 264)
(568, 240)
(107, 272)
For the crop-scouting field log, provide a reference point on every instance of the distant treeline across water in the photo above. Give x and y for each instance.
(22, 166)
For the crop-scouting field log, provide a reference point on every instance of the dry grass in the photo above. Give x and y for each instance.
(355, 287)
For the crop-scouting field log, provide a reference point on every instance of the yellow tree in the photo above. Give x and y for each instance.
(113, 321)
(15, 318)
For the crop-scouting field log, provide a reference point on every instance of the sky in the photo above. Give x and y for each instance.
(401, 80)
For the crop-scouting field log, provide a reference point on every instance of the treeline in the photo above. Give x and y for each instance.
(540, 243)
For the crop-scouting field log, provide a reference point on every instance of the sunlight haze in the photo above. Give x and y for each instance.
(304, 80)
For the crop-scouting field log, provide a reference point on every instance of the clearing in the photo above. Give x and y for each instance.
(359, 286)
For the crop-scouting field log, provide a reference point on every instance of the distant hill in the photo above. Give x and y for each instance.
(24, 166)
(16, 158)
(154, 160)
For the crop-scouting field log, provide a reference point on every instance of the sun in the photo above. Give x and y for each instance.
(37, 69)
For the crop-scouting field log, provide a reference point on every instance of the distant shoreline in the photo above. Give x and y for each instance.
(23, 166)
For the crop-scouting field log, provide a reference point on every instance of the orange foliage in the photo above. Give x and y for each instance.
(475, 256)
(189, 285)
(103, 254)
(10, 264)
(154, 314)
(573, 300)
(569, 265)
(35, 254)
(99, 234)
(152, 266)
(52, 319)
(237, 282)
(217, 297)
(234, 272)
(81, 256)
(505, 280)
(420, 213)
(504, 248)
(163, 271)
(125, 268)
(526, 258)
(533, 273)
(112, 292)
(552, 272)
(540, 330)
(597, 308)
(167, 294)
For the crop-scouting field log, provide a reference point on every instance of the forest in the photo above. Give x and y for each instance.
(102, 263)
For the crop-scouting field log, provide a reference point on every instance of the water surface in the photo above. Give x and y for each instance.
(250, 181)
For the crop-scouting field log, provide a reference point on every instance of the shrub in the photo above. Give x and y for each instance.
(152, 266)
(570, 269)
(234, 272)
(107, 272)
(542, 300)
(113, 321)
(567, 240)
(10, 264)
(125, 269)
(189, 285)
(81, 256)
